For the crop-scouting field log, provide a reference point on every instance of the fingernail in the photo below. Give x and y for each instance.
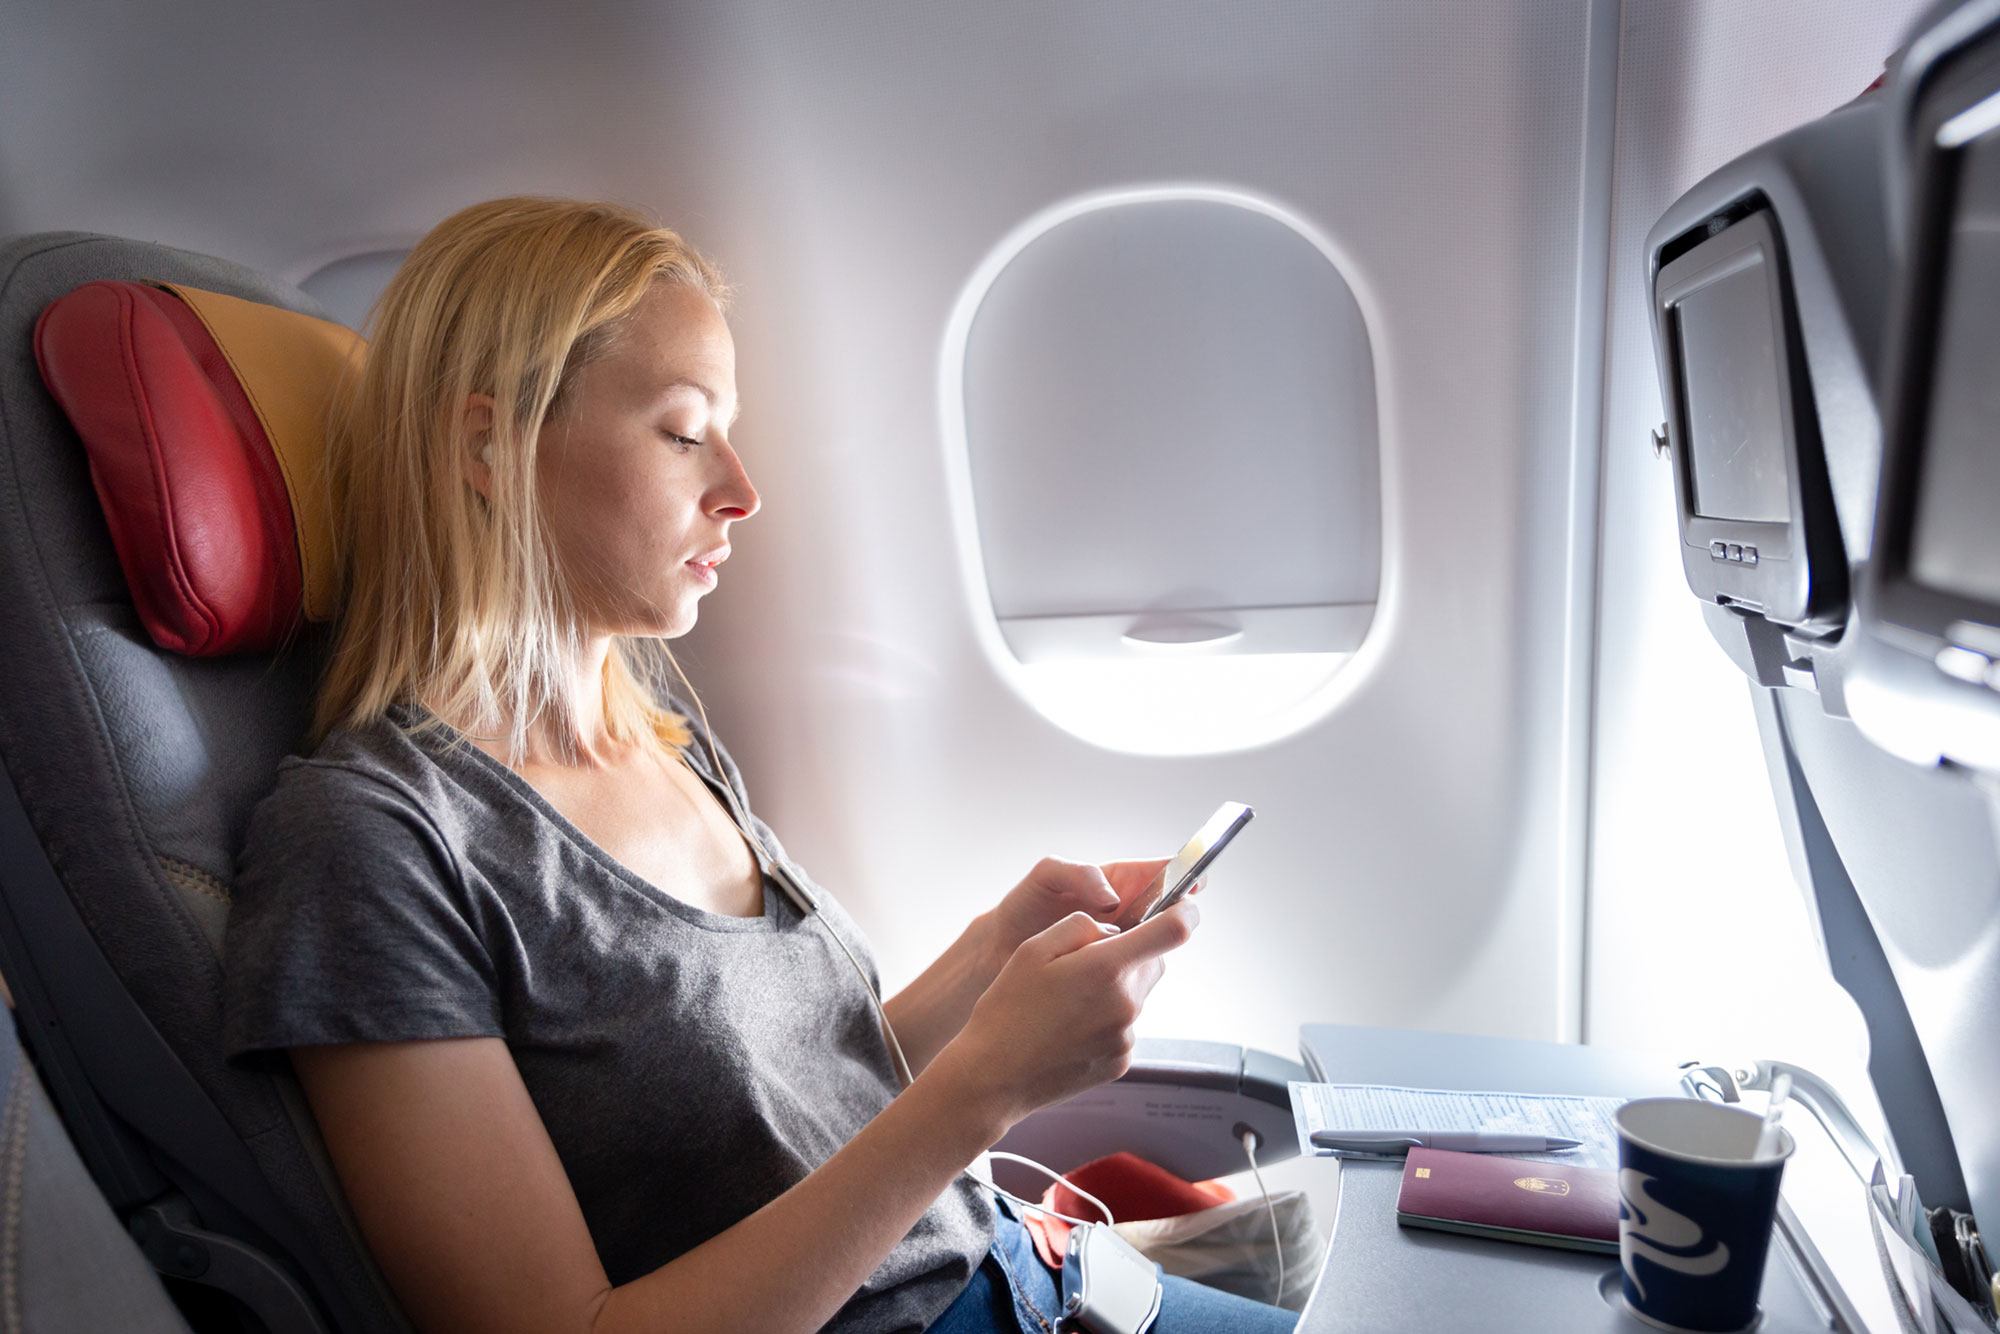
(1108, 928)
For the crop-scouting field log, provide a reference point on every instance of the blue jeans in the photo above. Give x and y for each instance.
(1014, 1293)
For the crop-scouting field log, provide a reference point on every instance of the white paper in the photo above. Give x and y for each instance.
(1905, 1260)
(1386, 1107)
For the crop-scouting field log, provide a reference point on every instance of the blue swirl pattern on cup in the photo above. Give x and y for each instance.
(1693, 1235)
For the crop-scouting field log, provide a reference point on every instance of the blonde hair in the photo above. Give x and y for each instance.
(453, 598)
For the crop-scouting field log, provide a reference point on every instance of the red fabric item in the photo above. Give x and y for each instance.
(196, 504)
(1132, 1188)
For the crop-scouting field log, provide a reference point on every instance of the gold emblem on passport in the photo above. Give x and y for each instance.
(1423, 1171)
(1543, 1185)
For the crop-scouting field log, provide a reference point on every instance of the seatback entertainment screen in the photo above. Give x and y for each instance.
(1736, 434)
(1758, 531)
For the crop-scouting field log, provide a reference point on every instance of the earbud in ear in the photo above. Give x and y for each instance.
(486, 455)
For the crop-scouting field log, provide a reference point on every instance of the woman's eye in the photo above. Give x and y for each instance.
(680, 442)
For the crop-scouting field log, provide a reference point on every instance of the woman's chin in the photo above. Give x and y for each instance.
(665, 628)
(656, 622)
(680, 623)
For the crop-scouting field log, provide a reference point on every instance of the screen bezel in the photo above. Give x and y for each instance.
(1800, 578)
(1900, 599)
(1748, 242)
(1738, 254)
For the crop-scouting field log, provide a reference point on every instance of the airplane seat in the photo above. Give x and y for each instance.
(152, 575)
(1927, 674)
(127, 776)
(1775, 293)
(67, 1265)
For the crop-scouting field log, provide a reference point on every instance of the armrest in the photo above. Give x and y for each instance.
(1183, 1105)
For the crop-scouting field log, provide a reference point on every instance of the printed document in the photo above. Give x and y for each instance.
(1385, 1107)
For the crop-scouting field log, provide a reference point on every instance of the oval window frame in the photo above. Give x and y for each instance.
(1144, 705)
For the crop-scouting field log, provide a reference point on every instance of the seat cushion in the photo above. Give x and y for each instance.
(203, 416)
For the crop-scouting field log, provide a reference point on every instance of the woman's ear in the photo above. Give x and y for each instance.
(476, 462)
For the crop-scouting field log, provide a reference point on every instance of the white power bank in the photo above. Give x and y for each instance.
(1107, 1286)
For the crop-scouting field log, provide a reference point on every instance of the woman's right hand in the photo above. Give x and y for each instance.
(1058, 1019)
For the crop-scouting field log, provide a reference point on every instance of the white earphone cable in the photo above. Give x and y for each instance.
(1053, 1175)
(1250, 1141)
(896, 1057)
(809, 907)
(803, 900)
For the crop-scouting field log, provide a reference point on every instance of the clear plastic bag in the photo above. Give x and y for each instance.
(1195, 1230)
(1230, 1247)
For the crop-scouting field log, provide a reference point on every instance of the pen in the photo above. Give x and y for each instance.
(1464, 1141)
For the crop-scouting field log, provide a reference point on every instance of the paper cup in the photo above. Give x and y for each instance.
(1696, 1207)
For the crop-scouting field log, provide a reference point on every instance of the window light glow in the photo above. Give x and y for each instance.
(1181, 705)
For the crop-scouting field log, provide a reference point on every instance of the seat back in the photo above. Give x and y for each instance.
(67, 1265)
(127, 776)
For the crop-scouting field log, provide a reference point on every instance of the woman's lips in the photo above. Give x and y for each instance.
(704, 565)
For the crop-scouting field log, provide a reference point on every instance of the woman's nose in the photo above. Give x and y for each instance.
(732, 497)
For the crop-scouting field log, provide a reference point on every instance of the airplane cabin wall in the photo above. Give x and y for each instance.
(1419, 853)
(1405, 866)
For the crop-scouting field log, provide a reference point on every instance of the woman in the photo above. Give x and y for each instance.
(583, 1052)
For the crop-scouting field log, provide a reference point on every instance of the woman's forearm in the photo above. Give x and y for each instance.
(929, 1012)
(792, 1264)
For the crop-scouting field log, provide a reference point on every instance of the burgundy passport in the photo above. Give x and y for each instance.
(1511, 1199)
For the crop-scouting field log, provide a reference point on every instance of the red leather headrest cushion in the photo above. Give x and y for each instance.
(200, 503)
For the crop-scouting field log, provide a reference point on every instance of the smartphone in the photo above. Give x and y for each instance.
(1180, 874)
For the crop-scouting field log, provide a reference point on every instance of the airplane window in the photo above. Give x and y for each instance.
(347, 287)
(1161, 422)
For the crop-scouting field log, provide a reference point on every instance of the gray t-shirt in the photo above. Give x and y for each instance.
(690, 1067)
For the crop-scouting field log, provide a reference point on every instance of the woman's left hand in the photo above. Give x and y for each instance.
(1057, 888)
(932, 1009)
